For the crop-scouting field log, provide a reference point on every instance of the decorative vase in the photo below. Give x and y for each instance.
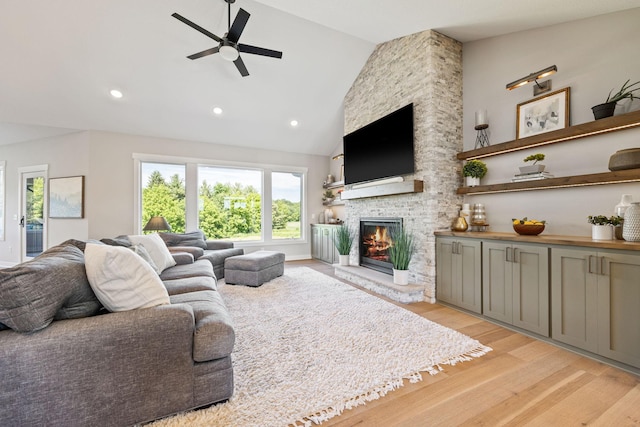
(459, 224)
(601, 232)
(400, 277)
(625, 203)
(631, 225)
(601, 111)
(343, 259)
(472, 181)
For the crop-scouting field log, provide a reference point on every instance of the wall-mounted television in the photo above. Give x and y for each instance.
(381, 149)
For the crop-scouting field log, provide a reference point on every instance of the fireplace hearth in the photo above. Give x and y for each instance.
(375, 239)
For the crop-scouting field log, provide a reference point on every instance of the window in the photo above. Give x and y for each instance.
(243, 202)
(286, 197)
(164, 194)
(230, 203)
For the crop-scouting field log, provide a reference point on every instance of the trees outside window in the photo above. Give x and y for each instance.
(286, 196)
(163, 194)
(229, 202)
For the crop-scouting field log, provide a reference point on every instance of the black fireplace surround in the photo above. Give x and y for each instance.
(375, 239)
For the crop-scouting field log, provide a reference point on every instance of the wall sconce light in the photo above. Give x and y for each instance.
(534, 77)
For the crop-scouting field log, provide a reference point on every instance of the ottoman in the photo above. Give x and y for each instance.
(253, 269)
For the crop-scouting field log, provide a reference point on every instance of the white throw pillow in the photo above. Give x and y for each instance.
(157, 249)
(141, 251)
(121, 279)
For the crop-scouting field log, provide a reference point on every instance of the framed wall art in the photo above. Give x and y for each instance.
(66, 197)
(543, 114)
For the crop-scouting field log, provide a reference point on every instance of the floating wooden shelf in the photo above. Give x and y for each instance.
(617, 177)
(610, 124)
(414, 186)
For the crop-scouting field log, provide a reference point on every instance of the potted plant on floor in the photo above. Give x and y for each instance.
(473, 170)
(602, 226)
(400, 253)
(607, 109)
(535, 167)
(343, 239)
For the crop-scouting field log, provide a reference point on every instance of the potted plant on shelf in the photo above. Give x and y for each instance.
(328, 197)
(602, 226)
(535, 167)
(400, 253)
(607, 109)
(473, 170)
(343, 239)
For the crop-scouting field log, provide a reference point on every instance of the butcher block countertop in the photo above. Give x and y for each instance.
(544, 239)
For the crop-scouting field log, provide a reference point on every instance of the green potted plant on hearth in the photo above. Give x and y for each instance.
(607, 108)
(400, 253)
(602, 227)
(343, 239)
(535, 167)
(473, 170)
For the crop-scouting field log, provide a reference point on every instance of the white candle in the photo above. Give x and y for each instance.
(481, 117)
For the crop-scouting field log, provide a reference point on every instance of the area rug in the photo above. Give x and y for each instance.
(309, 346)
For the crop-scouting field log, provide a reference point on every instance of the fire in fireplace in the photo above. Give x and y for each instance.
(375, 239)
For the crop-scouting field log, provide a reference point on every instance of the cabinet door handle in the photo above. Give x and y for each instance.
(508, 255)
(516, 254)
(590, 270)
(458, 251)
(602, 265)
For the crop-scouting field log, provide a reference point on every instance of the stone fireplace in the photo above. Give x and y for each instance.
(375, 239)
(424, 69)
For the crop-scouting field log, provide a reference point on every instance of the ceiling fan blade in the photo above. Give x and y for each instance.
(204, 53)
(197, 27)
(238, 25)
(241, 67)
(259, 51)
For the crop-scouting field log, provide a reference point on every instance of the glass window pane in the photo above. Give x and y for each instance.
(286, 194)
(230, 203)
(163, 194)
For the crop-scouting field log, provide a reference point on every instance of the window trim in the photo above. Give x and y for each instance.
(191, 203)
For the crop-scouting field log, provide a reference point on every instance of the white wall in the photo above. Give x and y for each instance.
(66, 156)
(106, 160)
(593, 56)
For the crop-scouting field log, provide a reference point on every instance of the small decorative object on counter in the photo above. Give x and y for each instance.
(459, 224)
(625, 203)
(631, 226)
(528, 227)
(602, 226)
(478, 218)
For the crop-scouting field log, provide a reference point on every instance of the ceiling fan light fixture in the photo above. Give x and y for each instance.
(229, 52)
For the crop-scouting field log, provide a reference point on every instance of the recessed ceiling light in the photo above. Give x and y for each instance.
(294, 123)
(116, 93)
(217, 111)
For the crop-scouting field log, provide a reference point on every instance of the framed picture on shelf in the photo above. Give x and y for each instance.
(66, 197)
(543, 114)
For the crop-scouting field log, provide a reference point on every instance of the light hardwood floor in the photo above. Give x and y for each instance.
(523, 381)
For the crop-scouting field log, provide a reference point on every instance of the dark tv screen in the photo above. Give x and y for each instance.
(381, 149)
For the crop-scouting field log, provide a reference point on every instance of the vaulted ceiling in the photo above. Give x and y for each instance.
(59, 60)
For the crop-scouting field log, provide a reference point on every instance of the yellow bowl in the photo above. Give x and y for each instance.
(528, 229)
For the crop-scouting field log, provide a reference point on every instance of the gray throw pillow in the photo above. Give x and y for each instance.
(52, 285)
(194, 238)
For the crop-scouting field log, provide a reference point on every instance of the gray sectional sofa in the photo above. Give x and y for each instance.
(76, 364)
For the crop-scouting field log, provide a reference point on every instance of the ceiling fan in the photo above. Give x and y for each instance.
(228, 46)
